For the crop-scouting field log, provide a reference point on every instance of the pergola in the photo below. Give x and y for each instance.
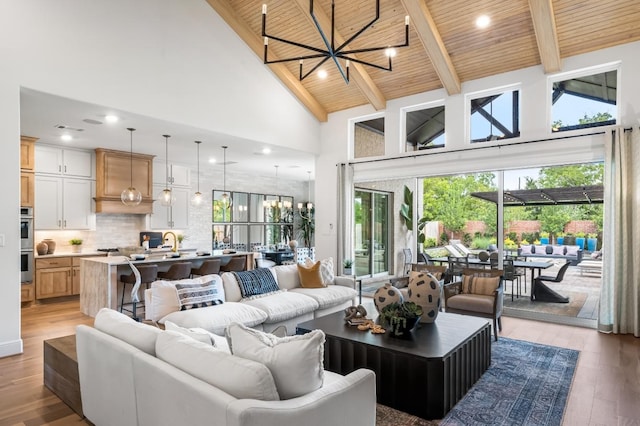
(591, 194)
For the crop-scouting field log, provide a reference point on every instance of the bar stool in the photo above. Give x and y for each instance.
(236, 263)
(177, 271)
(148, 274)
(208, 267)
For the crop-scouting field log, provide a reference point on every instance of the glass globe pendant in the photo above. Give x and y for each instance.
(131, 196)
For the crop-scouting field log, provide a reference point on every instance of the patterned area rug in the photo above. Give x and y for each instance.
(526, 384)
(571, 309)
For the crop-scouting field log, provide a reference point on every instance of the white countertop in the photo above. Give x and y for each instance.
(157, 258)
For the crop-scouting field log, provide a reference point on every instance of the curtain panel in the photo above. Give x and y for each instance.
(620, 294)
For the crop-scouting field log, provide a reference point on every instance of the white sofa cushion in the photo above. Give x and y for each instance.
(118, 325)
(201, 335)
(296, 362)
(287, 276)
(216, 318)
(162, 298)
(239, 377)
(283, 306)
(328, 296)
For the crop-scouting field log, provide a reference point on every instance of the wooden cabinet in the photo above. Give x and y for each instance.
(116, 171)
(27, 292)
(27, 155)
(27, 189)
(57, 276)
(67, 162)
(174, 217)
(62, 203)
(53, 277)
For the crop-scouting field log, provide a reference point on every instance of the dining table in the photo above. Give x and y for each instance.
(533, 265)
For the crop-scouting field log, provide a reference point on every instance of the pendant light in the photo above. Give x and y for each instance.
(226, 198)
(309, 205)
(131, 196)
(196, 200)
(166, 196)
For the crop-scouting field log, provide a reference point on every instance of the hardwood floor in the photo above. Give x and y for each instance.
(605, 391)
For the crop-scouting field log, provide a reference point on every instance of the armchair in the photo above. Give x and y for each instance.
(479, 292)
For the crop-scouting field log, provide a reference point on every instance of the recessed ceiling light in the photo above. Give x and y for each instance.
(483, 21)
(66, 137)
(322, 74)
(390, 52)
(266, 150)
(111, 118)
(212, 160)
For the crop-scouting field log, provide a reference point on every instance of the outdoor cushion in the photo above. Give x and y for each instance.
(283, 306)
(558, 250)
(548, 250)
(328, 296)
(479, 285)
(572, 250)
(526, 249)
(471, 302)
(540, 249)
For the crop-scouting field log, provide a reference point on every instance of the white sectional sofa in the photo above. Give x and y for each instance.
(136, 374)
(288, 306)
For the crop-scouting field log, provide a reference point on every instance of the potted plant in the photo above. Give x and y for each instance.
(347, 266)
(76, 245)
(401, 318)
(560, 238)
(569, 239)
(181, 238)
(580, 239)
(544, 237)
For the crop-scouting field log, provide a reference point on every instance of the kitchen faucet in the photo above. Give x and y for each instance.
(174, 247)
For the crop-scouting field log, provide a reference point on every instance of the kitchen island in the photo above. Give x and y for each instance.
(99, 275)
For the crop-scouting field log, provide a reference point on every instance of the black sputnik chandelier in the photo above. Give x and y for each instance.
(331, 51)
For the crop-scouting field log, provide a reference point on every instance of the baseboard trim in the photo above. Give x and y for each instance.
(11, 348)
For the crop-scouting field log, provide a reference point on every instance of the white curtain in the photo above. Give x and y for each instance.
(620, 293)
(345, 213)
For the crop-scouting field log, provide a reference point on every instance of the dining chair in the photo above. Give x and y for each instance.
(511, 275)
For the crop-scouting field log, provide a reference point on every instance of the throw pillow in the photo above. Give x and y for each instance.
(164, 297)
(525, 249)
(558, 250)
(572, 250)
(193, 296)
(540, 249)
(479, 285)
(310, 277)
(256, 281)
(200, 335)
(326, 269)
(239, 377)
(296, 362)
(116, 324)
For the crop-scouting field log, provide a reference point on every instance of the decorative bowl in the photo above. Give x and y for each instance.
(137, 256)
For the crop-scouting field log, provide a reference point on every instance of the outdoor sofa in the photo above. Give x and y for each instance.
(570, 253)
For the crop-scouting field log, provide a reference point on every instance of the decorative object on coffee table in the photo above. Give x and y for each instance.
(424, 290)
(51, 245)
(355, 315)
(386, 295)
(76, 245)
(401, 318)
(42, 248)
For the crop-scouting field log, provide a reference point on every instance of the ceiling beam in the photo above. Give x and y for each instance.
(255, 42)
(544, 24)
(358, 73)
(430, 37)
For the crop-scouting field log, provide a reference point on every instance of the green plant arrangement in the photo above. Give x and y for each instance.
(544, 234)
(592, 235)
(401, 317)
(75, 241)
(347, 263)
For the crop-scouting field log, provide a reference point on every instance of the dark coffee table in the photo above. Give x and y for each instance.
(425, 376)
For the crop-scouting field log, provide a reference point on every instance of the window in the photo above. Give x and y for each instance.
(424, 128)
(584, 102)
(495, 117)
(368, 138)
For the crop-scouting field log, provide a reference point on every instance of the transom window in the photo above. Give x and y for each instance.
(425, 128)
(495, 117)
(368, 140)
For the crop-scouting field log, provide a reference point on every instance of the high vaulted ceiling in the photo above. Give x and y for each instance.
(445, 47)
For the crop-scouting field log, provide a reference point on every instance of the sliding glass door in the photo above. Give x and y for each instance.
(371, 232)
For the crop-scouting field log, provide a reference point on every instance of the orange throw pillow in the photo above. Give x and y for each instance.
(310, 277)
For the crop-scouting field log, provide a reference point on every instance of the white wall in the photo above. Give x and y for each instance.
(175, 60)
(534, 125)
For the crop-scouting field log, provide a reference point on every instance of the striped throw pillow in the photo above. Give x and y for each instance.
(199, 295)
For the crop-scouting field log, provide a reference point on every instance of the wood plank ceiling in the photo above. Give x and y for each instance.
(445, 47)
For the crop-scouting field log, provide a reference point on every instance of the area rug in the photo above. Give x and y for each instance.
(571, 309)
(526, 384)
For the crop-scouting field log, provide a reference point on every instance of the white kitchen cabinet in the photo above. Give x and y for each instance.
(62, 203)
(177, 175)
(174, 217)
(64, 162)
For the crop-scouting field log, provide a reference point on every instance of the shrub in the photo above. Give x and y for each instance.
(512, 236)
(430, 242)
(481, 243)
(466, 239)
(444, 239)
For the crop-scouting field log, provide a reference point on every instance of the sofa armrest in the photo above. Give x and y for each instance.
(351, 400)
(451, 289)
(345, 281)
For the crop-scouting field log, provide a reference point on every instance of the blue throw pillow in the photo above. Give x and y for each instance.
(257, 281)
